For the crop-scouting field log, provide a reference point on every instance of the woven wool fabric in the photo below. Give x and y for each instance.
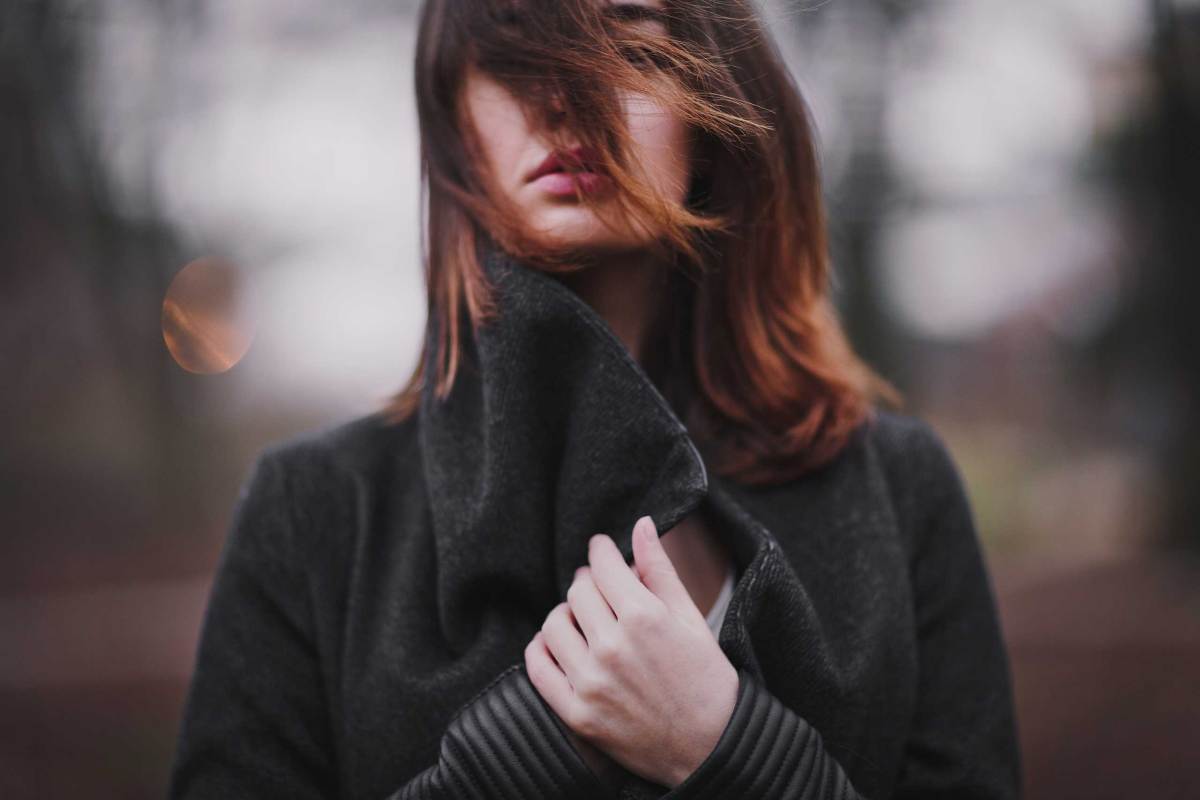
(377, 578)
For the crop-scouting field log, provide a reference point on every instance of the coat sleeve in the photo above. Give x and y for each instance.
(962, 743)
(256, 721)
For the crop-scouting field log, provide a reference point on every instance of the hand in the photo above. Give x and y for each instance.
(641, 677)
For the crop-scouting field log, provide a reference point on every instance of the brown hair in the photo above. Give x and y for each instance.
(778, 389)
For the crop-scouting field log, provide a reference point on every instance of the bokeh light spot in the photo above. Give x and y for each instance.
(207, 319)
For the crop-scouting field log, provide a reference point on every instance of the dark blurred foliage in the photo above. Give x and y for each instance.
(83, 285)
(1155, 343)
(101, 460)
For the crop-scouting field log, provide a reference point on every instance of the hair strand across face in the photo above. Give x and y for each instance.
(778, 389)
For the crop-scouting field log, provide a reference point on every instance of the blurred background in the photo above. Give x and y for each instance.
(1014, 200)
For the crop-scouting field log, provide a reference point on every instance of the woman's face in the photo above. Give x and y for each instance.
(513, 151)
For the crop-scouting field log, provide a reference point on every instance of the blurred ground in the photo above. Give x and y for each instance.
(1106, 658)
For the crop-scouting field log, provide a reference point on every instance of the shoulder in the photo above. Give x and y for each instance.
(300, 497)
(909, 443)
(921, 472)
(355, 448)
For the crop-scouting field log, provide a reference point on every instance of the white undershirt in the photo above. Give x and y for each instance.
(716, 614)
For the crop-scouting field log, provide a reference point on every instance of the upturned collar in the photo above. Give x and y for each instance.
(552, 432)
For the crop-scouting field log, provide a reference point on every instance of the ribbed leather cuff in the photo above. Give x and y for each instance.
(766, 751)
(505, 744)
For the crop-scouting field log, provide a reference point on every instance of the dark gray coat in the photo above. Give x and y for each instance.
(365, 632)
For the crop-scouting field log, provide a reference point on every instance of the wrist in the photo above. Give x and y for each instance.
(717, 729)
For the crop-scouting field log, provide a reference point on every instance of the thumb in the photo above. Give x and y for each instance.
(655, 569)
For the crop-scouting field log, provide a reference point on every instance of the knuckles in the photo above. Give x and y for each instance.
(558, 615)
(606, 649)
(641, 619)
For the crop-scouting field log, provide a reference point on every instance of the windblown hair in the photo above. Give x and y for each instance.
(773, 387)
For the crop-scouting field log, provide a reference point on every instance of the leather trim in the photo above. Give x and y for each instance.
(505, 744)
(766, 751)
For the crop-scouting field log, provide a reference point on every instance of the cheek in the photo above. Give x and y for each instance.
(662, 141)
(500, 126)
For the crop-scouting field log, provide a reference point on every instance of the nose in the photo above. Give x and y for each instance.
(556, 105)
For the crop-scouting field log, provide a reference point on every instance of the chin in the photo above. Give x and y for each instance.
(580, 229)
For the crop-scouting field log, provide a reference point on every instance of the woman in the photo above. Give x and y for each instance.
(624, 235)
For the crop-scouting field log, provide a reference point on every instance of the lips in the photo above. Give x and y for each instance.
(577, 159)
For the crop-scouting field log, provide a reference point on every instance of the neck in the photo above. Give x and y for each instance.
(626, 289)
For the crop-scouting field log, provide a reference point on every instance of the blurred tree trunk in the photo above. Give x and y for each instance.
(858, 204)
(83, 279)
(1152, 353)
(1177, 290)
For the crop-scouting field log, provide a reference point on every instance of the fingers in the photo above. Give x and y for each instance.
(591, 610)
(564, 640)
(656, 570)
(613, 577)
(546, 676)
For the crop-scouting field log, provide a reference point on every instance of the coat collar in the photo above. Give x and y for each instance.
(552, 432)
